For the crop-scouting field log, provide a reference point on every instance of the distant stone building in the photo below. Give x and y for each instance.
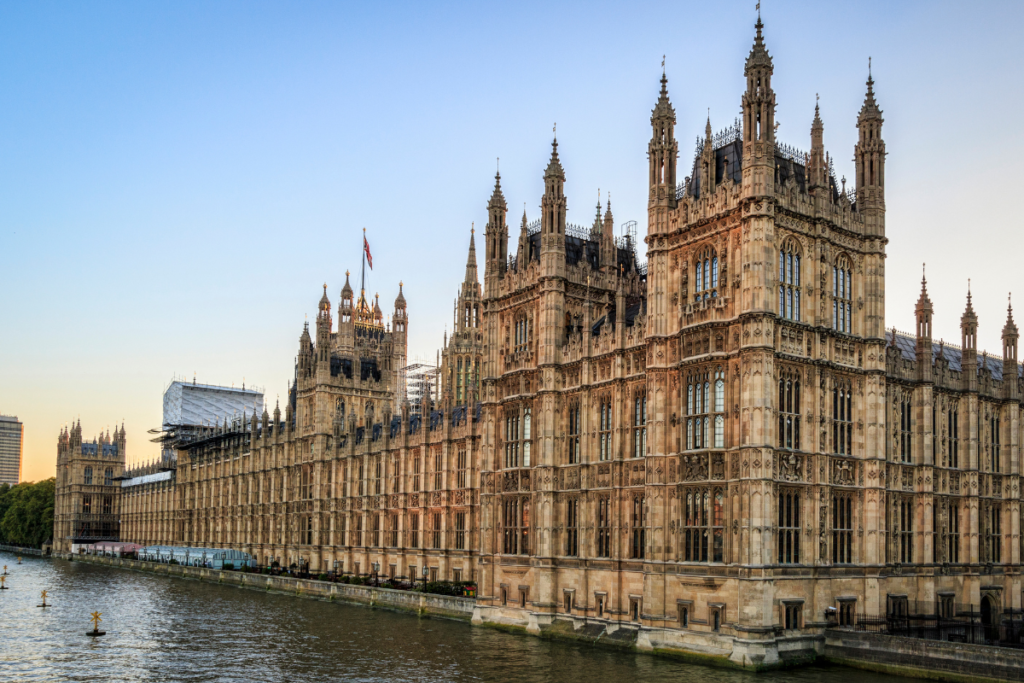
(87, 505)
(12, 438)
(713, 449)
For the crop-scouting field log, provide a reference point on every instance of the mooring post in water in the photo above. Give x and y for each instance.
(44, 600)
(95, 619)
(2, 580)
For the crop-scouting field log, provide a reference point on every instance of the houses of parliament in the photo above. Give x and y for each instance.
(713, 449)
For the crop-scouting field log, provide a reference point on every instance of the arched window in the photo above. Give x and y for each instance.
(789, 281)
(521, 333)
(789, 410)
(605, 429)
(87, 476)
(842, 296)
(574, 433)
(842, 418)
(640, 425)
(705, 409)
(108, 477)
(706, 270)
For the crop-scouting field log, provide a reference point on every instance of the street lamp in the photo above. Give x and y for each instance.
(425, 572)
(376, 568)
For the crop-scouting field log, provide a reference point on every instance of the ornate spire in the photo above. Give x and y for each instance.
(471, 259)
(663, 109)
(759, 57)
(870, 108)
(923, 301)
(969, 314)
(554, 169)
(1009, 328)
(608, 209)
(497, 198)
(347, 288)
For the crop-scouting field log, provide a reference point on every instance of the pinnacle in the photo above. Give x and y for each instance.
(663, 108)
(554, 168)
(759, 56)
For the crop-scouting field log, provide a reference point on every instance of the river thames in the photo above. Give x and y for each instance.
(173, 629)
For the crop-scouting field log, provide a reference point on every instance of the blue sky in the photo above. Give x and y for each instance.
(177, 180)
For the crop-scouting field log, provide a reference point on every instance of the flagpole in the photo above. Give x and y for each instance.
(362, 284)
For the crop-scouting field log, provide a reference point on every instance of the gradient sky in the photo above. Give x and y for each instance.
(177, 180)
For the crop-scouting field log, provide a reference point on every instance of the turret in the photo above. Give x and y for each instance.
(496, 233)
(608, 252)
(923, 312)
(817, 169)
(1010, 372)
(869, 158)
(305, 352)
(552, 221)
(969, 344)
(758, 107)
(662, 153)
(323, 332)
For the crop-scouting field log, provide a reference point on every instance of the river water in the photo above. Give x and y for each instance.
(173, 629)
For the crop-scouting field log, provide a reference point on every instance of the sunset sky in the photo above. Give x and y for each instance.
(178, 180)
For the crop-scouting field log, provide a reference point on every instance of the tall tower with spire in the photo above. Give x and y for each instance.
(923, 312)
(758, 106)
(462, 356)
(496, 237)
(869, 157)
(552, 217)
(662, 155)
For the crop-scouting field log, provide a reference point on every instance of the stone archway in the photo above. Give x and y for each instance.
(990, 618)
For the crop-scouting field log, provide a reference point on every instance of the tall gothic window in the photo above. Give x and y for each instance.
(435, 530)
(640, 425)
(604, 526)
(604, 436)
(516, 526)
(87, 476)
(638, 527)
(414, 530)
(522, 333)
(108, 477)
(517, 436)
(789, 410)
(460, 530)
(703, 525)
(416, 473)
(705, 422)
(574, 433)
(906, 427)
(789, 526)
(905, 529)
(842, 296)
(462, 469)
(706, 270)
(789, 282)
(842, 528)
(991, 533)
(953, 534)
(842, 418)
(953, 431)
(994, 444)
(572, 531)
(438, 470)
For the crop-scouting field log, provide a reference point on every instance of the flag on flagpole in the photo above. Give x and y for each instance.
(366, 248)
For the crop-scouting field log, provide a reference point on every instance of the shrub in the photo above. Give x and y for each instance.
(322, 577)
(228, 566)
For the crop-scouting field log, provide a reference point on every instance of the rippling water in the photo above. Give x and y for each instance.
(173, 629)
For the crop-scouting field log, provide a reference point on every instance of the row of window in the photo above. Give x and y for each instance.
(108, 476)
(383, 531)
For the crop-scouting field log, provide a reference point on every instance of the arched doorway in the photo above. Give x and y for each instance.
(990, 618)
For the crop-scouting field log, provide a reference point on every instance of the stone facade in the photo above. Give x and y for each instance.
(88, 500)
(713, 447)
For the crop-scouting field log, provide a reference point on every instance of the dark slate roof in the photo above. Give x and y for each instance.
(907, 346)
(109, 449)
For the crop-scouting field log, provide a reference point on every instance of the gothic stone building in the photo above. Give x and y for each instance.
(713, 448)
(87, 505)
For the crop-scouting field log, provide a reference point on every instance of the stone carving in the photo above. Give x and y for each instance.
(694, 468)
(842, 472)
(790, 467)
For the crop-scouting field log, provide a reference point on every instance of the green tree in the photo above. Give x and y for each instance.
(26, 513)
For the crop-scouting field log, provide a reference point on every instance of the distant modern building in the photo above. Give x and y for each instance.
(11, 436)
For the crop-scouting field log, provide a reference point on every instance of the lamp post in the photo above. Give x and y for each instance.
(376, 568)
(425, 572)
